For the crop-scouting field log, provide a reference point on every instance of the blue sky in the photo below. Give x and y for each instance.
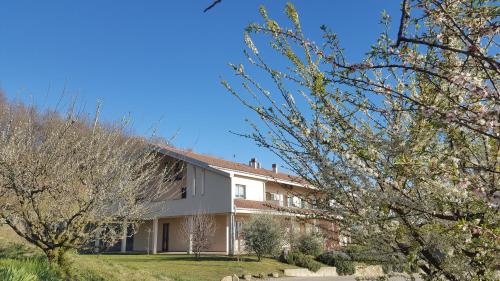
(159, 61)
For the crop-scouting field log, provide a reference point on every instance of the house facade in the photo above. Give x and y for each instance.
(231, 192)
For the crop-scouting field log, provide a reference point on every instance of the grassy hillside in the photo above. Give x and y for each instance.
(17, 254)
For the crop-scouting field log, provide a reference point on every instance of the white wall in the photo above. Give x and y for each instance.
(254, 188)
(144, 231)
(215, 198)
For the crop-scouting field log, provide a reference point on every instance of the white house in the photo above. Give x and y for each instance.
(228, 190)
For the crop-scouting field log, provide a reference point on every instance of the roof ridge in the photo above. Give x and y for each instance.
(228, 164)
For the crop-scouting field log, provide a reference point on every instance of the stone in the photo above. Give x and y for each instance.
(275, 274)
(297, 272)
(235, 278)
(247, 277)
(369, 271)
(304, 272)
(327, 271)
(227, 278)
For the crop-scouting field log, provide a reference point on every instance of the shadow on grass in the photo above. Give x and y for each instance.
(138, 257)
(16, 251)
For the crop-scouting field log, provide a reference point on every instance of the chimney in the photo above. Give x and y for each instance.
(275, 168)
(253, 163)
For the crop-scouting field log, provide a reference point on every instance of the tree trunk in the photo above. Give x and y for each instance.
(57, 256)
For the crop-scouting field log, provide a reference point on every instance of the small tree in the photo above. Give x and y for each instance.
(310, 244)
(199, 228)
(66, 181)
(262, 235)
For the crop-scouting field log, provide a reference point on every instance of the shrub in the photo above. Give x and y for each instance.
(345, 267)
(299, 259)
(331, 257)
(341, 261)
(389, 263)
(262, 235)
(310, 244)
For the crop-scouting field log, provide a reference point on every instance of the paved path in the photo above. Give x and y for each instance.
(338, 278)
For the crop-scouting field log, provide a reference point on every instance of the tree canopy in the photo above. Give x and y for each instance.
(403, 145)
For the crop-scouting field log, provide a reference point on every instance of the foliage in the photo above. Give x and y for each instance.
(404, 145)
(300, 259)
(199, 229)
(262, 235)
(66, 180)
(340, 260)
(390, 262)
(17, 274)
(146, 267)
(310, 244)
(31, 269)
(176, 267)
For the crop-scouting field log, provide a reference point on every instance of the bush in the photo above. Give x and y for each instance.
(310, 244)
(341, 261)
(345, 267)
(262, 235)
(389, 263)
(330, 258)
(299, 259)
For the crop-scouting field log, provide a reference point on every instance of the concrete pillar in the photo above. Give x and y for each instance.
(124, 238)
(97, 242)
(230, 234)
(190, 244)
(228, 225)
(190, 237)
(155, 235)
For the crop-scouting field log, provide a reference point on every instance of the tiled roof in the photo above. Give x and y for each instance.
(269, 205)
(217, 162)
(251, 204)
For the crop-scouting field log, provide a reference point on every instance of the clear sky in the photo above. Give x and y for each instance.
(160, 61)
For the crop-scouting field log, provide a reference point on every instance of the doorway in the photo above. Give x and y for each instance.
(164, 243)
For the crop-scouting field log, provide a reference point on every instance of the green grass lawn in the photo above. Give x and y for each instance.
(176, 267)
(14, 251)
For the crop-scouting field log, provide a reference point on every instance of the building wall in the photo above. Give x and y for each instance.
(219, 239)
(177, 242)
(254, 187)
(288, 191)
(206, 191)
(141, 237)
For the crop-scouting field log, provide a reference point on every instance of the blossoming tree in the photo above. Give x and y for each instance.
(66, 181)
(403, 146)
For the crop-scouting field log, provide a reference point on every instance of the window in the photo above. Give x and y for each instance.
(294, 201)
(239, 227)
(275, 197)
(183, 193)
(240, 191)
(178, 171)
(303, 204)
(175, 173)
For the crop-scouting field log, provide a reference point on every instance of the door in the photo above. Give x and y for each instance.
(164, 243)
